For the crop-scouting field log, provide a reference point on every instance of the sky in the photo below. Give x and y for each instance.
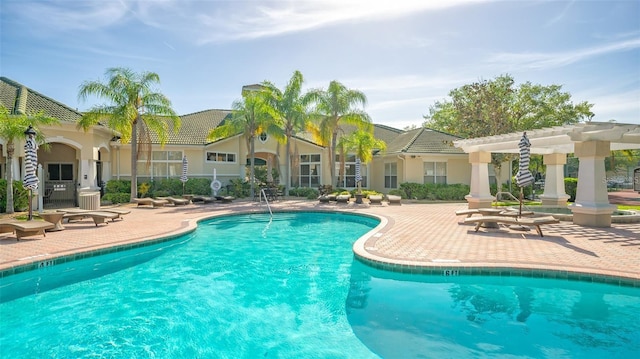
(404, 55)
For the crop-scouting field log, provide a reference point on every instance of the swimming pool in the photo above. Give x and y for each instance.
(247, 287)
(491, 316)
(237, 287)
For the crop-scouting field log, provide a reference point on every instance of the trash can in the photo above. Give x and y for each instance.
(89, 200)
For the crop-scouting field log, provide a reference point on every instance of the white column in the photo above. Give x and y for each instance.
(479, 195)
(554, 193)
(592, 207)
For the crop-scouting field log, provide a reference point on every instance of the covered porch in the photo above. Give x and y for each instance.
(591, 142)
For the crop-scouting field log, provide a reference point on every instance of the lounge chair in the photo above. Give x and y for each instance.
(526, 221)
(175, 201)
(203, 199)
(393, 199)
(323, 199)
(375, 199)
(343, 198)
(150, 202)
(119, 211)
(98, 217)
(25, 228)
(225, 199)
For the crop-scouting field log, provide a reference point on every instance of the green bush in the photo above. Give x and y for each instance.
(239, 188)
(570, 188)
(117, 197)
(307, 192)
(20, 196)
(198, 186)
(118, 186)
(432, 191)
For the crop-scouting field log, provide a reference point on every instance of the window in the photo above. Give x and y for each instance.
(310, 170)
(221, 157)
(435, 172)
(263, 137)
(60, 171)
(350, 172)
(164, 164)
(391, 175)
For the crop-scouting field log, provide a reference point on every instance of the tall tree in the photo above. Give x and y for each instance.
(334, 107)
(135, 110)
(495, 107)
(12, 128)
(363, 143)
(251, 116)
(290, 107)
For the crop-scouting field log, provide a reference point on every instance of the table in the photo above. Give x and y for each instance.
(55, 218)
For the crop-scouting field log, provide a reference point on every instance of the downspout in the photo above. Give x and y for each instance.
(404, 168)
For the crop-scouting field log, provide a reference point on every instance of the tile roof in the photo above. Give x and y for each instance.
(195, 126)
(424, 140)
(10, 96)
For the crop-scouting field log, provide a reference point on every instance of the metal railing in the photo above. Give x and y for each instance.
(264, 194)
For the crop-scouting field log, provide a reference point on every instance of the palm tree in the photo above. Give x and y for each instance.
(363, 143)
(135, 111)
(290, 107)
(334, 107)
(251, 116)
(12, 128)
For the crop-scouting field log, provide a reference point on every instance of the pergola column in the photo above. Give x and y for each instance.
(479, 195)
(554, 193)
(592, 207)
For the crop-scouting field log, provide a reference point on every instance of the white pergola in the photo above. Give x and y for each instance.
(591, 142)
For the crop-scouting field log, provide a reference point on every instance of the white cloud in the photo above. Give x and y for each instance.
(538, 61)
(282, 17)
(71, 15)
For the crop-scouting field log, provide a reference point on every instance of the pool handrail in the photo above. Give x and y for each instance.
(264, 194)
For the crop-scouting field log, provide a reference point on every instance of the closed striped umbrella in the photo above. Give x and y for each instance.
(524, 176)
(358, 171)
(185, 167)
(30, 163)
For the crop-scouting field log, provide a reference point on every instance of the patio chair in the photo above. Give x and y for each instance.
(175, 201)
(98, 217)
(343, 198)
(28, 228)
(375, 199)
(150, 202)
(393, 199)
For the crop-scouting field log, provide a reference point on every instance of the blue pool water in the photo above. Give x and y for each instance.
(245, 287)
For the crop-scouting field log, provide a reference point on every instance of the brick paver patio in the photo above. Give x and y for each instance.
(415, 234)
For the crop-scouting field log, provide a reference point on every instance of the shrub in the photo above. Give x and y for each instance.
(570, 188)
(117, 197)
(20, 196)
(118, 186)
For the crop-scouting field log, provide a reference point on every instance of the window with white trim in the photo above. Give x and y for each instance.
(164, 164)
(349, 180)
(310, 170)
(391, 175)
(435, 172)
(221, 157)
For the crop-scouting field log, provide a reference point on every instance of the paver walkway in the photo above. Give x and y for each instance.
(415, 234)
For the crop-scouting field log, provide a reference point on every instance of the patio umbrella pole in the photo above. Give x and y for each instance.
(30, 216)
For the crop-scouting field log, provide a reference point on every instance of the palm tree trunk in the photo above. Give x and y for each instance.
(134, 158)
(332, 159)
(252, 167)
(287, 181)
(9, 166)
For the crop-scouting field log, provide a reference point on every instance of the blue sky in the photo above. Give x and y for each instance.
(404, 55)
